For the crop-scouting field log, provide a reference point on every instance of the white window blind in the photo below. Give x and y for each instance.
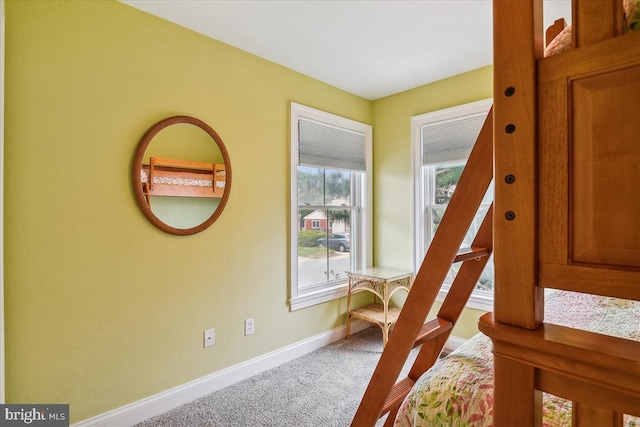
(450, 140)
(327, 146)
(330, 163)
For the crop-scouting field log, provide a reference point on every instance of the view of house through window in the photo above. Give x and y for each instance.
(330, 203)
(325, 211)
(442, 142)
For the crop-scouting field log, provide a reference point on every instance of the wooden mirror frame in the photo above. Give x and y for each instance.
(137, 180)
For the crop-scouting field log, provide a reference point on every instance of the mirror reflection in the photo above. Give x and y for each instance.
(181, 175)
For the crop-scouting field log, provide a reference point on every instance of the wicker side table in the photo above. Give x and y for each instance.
(382, 283)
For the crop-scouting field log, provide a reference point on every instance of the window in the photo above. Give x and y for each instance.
(442, 141)
(330, 203)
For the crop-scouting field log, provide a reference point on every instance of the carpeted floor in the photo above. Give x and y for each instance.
(319, 389)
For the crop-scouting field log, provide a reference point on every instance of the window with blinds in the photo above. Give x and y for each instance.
(330, 203)
(452, 139)
(442, 141)
(324, 145)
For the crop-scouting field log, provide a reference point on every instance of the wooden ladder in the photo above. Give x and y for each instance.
(384, 395)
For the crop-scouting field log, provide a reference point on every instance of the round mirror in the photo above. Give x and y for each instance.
(181, 180)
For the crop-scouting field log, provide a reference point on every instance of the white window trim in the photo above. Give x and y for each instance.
(298, 299)
(480, 300)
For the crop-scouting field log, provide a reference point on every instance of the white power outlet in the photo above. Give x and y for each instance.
(248, 327)
(209, 337)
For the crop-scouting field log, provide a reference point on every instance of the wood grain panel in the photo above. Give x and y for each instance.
(605, 164)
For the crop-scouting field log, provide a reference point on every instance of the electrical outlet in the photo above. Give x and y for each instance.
(248, 327)
(209, 337)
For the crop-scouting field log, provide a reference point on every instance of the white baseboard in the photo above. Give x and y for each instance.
(453, 343)
(165, 401)
(141, 410)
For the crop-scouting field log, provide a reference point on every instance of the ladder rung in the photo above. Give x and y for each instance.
(397, 394)
(471, 253)
(432, 329)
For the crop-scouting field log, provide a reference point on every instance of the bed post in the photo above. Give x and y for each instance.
(518, 299)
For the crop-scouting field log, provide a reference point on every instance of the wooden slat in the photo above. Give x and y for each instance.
(190, 164)
(471, 253)
(397, 394)
(428, 355)
(589, 416)
(577, 278)
(517, 300)
(596, 20)
(432, 337)
(553, 179)
(514, 383)
(432, 329)
(469, 273)
(572, 388)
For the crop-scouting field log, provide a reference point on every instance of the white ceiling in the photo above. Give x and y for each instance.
(371, 48)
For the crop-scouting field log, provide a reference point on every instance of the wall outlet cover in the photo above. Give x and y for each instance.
(209, 337)
(248, 327)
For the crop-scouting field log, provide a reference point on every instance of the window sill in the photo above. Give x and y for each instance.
(308, 299)
(477, 302)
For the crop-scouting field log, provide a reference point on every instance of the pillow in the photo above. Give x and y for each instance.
(560, 43)
(631, 15)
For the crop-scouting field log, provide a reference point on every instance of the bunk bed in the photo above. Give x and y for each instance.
(182, 178)
(566, 161)
(575, 154)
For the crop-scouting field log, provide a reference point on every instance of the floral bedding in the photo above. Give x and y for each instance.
(458, 390)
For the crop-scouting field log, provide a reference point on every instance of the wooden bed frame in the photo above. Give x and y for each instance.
(566, 159)
(183, 172)
(575, 153)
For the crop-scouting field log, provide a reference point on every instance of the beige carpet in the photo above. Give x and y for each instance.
(319, 389)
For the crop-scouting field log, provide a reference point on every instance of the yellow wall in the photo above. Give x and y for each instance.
(102, 309)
